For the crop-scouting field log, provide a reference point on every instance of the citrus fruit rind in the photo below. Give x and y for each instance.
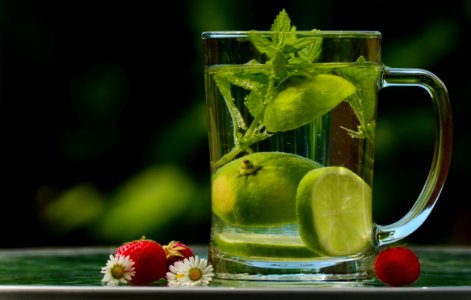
(263, 245)
(259, 188)
(334, 211)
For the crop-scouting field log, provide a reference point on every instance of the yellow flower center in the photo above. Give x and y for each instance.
(195, 274)
(117, 271)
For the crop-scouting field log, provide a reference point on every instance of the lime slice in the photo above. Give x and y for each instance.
(263, 245)
(334, 211)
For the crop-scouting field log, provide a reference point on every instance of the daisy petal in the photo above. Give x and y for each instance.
(118, 269)
(192, 271)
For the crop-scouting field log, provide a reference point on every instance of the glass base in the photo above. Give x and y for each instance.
(296, 270)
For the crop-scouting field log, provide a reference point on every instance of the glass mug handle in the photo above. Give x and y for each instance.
(387, 234)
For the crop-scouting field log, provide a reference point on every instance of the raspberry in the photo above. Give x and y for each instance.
(397, 266)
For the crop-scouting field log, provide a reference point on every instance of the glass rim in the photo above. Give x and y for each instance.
(322, 33)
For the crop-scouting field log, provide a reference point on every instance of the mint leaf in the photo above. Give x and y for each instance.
(279, 63)
(363, 76)
(281, 28)
(310, 49)
(224, 87)
(254, 103)
(248, 81)
(282, 22)
(256, 82)
(262, 44)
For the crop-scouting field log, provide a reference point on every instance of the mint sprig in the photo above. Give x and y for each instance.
(281, 48)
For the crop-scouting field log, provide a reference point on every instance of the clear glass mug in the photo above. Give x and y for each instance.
(292, 141)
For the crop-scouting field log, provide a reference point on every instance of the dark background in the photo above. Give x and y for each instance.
(103, 122)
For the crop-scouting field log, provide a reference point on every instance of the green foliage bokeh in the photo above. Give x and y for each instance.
(103, 116)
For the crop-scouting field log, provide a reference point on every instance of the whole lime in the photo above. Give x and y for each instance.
(259, 188)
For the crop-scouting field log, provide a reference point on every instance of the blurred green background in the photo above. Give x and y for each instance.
(103, 121)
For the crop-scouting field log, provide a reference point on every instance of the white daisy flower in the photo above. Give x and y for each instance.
(191, 271)
(118, 269)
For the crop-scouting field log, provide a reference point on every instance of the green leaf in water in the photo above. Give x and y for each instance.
(365, 76)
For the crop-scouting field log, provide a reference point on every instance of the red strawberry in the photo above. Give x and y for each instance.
(397, 266)
(150, 261)
(177, 251)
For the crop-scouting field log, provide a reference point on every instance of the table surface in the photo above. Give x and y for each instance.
(74, 273)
